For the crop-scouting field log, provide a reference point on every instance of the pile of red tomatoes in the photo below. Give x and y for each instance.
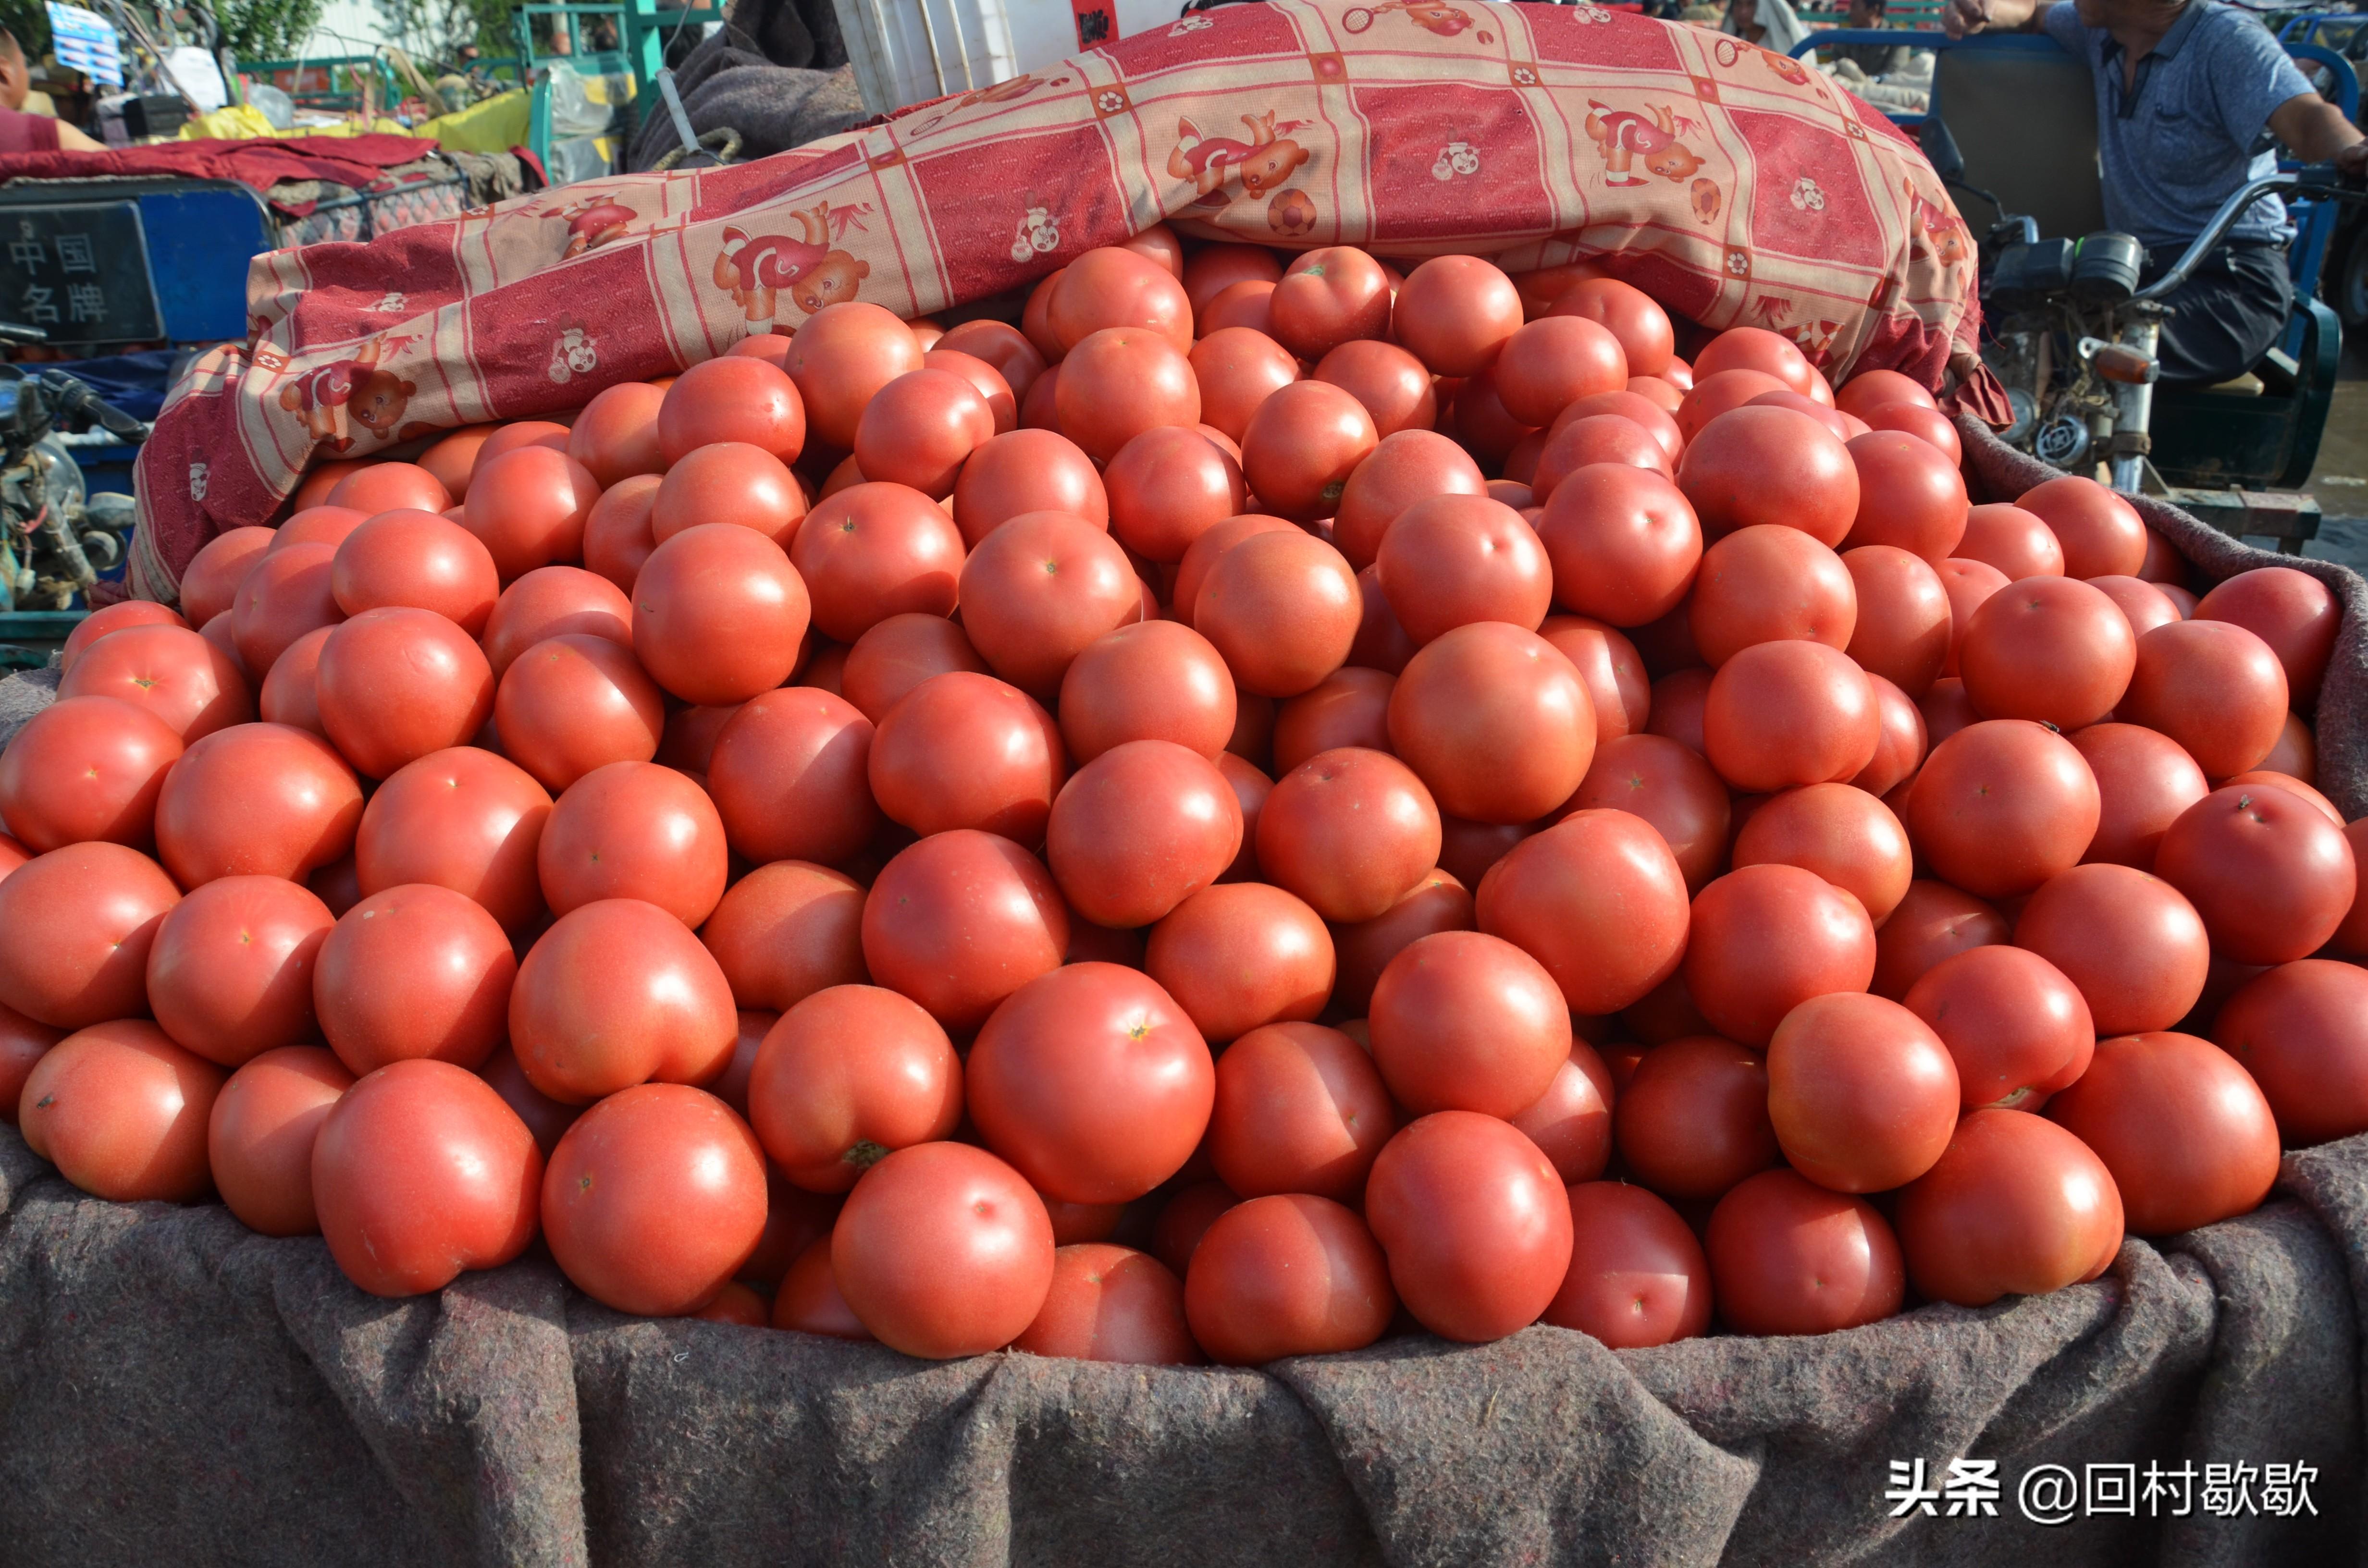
(1259, 808)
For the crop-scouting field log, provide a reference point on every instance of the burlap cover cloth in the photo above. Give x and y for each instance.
(1736, 185)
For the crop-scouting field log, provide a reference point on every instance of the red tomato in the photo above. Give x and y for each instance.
(1624, 543)
(1611, 669)
(1298, 1108)
(23, 1043)
(1153, 680)
(1903, 617)
(918, 428)
(1637, 1276)
(121, 616)
(1350, 708)
(1766, 938)
(1242, 955)
(967, 751)
(1901, 750)
(785, 931)
(1406, 467)
(1787, 713)
(2017, 1206)
(421, 1172)
(897, 654)
(2051, 649)
(873, 550)
(960, 921)
(1092, 1082)
(554, 601)
(2015, 1025)
(719, 614)
(1039, 589)
(1597, 438)
(324, 478)
(1495, 722)
(1453, 559)
(87, 768)
(2001, 806)
(1003, 348)
(259, 800)
(2213, 687)
(944, 1251)
(1282, 608)
(848, 1075)
(1027, 470)
(1455, 312)
(1464, 1021)
(395, 685)
(1236, 369)
(1381, 644)
(1202, 555)
(229, 974)
(726, 482)
(417, 970)
(1111, 1304)
(653, 1200)
(1301, 445)
(1214, 268)
(1167, 486)
(809, 1300)
(1328, 296)
(209, 582)
(2271, 876)
(1927, 424)
(121, 1111)
(545, 1117)
(1251, 788)
(1248, 302)
(1394, 386)
(788, 775)
(1599, 900)
(1474, 1222)
(415, 558)
(1111, 286)
(1670, 786)
(616, 436)
(1766, 584)
(2143, 782)
(1552, 363)
(2298, 1029)
(844, 354)
(260, 1133)
(1843, 428)
(1969, 584)
(1932, 923)
(2015, 542)
(1571, 1122)
(2293, 612)
(1861, 1093)
(984, 377)
(1349, 831)
(462, 819)
(518, 433)
(1909, 494)
(573, 704)
(633, 830)
(2130, 941)
(1870, 390)
(528, 507)
(1841, 833)
(286, 595)
(1117, 383)
(1634, 319)
(291, 693)
(1790, 1258)
(615, 993)
(1770, 465)
(2098, 533)
(1722, 393)
(1286, 1275)
(1946, 710)
(2181, 1125)
(388, 487)
(453, 455)
(1140, 829)
(1756, 349)
(1438, 903)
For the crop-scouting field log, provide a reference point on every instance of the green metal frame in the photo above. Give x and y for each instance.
(392, 91)
(2222, 440)
(643, 29)
(28, 636)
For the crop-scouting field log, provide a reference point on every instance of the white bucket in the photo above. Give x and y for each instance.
(904, 52)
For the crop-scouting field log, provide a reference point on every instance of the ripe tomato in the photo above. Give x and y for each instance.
(1286, 1275)
(2143, 782)
(420, 560)
(918, 428)
(1027, 470)
(1862, 1094)
(1900, 751)
(1645, 337)
(23, 1043)
(291, 692)
(528, 507)
(121, 1111)
(785, 931)
(1350, 707)
(229, 974)
(1236, 369)
(1841, 833)
(2181, 1125)
(653, 1200)
(724, 481)
(260, 1133)
(873, 550)
(2015, 542)
(209, 582)
(390, 487)
(1282, 608)
(2051, 649)
(417, 970)
(395, 685)
(1933, 922)
(545, 1117)
(719, 614)
(809, 1300)
(2271, 876)
(1624, 543)
(1246, 304)
(259, 800)
(1349, 831)
(984, 378)
(1111, 1304)
(1039, 589)
(1637, 1276)
(1167, 486)
(1968, 584)
(1596, 438)
(462, 819)
(2130, 941)
(2295, 614)
(1766, 938)
(1153, 680)
(421, 1172)
(87, 768)
(944, 1251)
(633, 830)
(286, 595)
(842, 356)
(2017, 1206)
(452, 456)
(1571, 1122)
(1203, 552)
(1787, 1257)
(2213, 687)
(1945, 710)
(967, 751)
(1117, 383)
(1301, 445)
(575, 703)
(1909, 495)
(554, 601)
(1456, 312)
(1902, 622)
(1765, 583)
(615, 993)
(1756, 348)
(1599, 900)
(788, 775)
(1870, 389)
(1092, 1082)
(1111, 286)
(960, 921)
(1406, 467)
(1002, 347)
(616, 436)
(1495, 722)
(1474, 1223)
(1782, 715)
(1670, 786)
(170, 671)
(1240, 956)
(1140, 829)
(1298, 1108)
(1381, 644)
(1465, 1021)
(1251, 788)
(2298, 1030)
(1552, 363)
(1212, 268)
(2002, 806)
(1770, 465)
(1326, 297)
(1453, 559)
(1394, 387)
(2098, 533)
(848, 1075)
(2016, 1025)
(900, 653)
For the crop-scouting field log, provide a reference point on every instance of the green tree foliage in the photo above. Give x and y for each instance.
(266, 30)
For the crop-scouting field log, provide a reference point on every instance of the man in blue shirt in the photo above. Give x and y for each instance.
(2186, 90)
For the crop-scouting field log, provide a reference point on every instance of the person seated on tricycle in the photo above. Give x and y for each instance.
(2184, 90)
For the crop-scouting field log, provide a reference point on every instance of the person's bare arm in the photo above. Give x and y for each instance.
(1963, 16)
(71, 140)
(2318, 132)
